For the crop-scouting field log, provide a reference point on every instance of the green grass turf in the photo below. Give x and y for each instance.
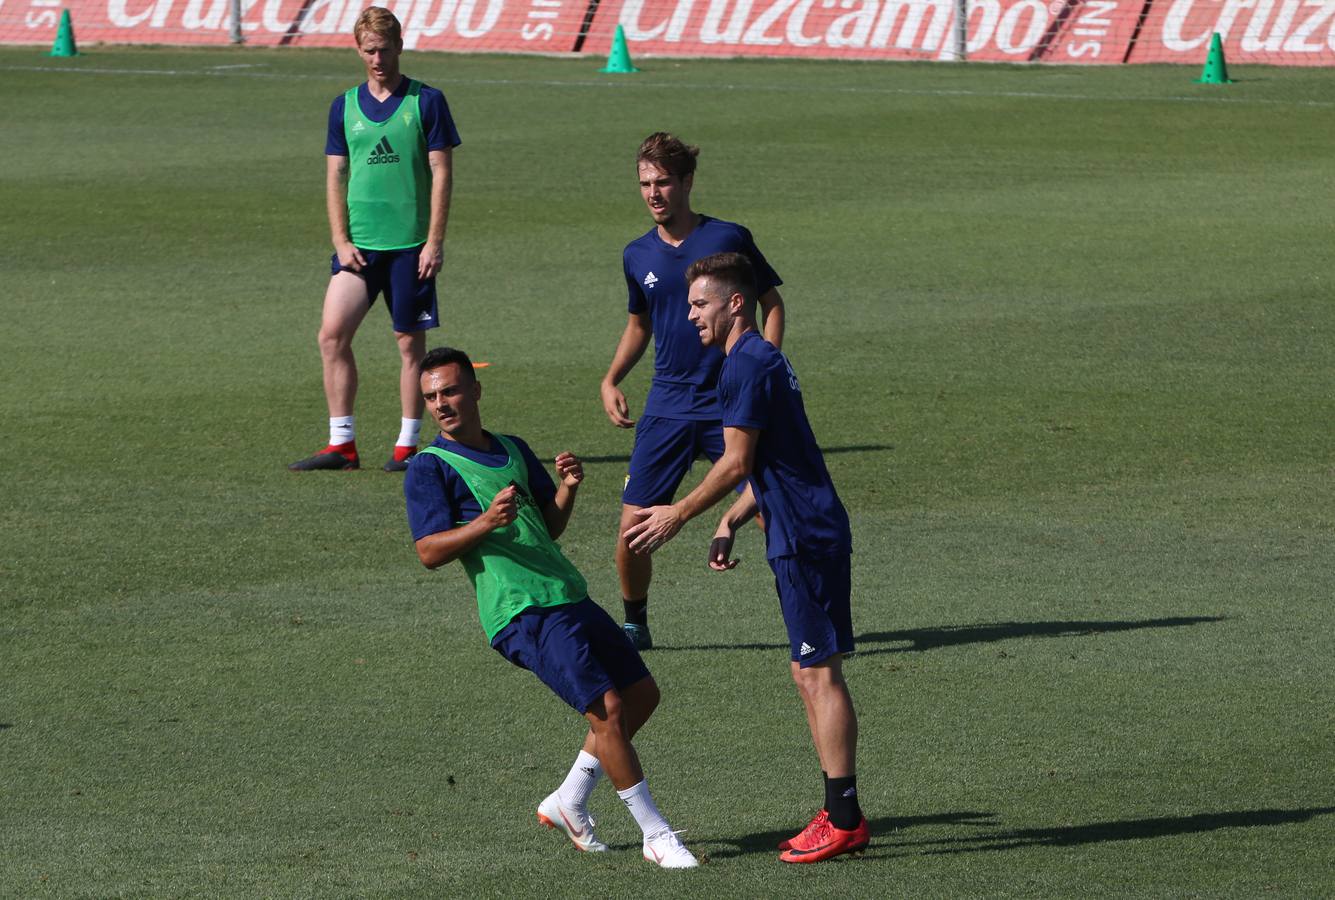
(1066, 335)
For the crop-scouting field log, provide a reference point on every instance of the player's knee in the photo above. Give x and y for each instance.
(811, 680)
(412, 346)
(613, 711)
(333, 342)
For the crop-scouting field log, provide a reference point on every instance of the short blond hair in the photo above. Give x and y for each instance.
(378, 20)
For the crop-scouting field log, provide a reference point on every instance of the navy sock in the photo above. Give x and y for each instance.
(841, 802)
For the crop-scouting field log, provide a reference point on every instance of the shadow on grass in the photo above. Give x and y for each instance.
(923, 639)
(887, 842)
(1103, 832)
(851, 448)
(768, 841)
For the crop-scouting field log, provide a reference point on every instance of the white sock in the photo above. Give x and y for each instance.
(579, 784)
(341, 429)
(409, 432)
(642, 807)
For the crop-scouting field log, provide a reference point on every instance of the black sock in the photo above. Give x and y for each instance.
(841, 802)
(637, 611)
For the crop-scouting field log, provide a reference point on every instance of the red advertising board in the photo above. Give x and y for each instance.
(540, 26)
(1280, 32)
(1276, 32)
(1093, 31)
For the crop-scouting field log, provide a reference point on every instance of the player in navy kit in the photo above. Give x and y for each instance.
(681, 414)
(769, 444)
(388, 183)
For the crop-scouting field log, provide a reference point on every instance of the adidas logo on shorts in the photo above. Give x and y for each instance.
(806, 649)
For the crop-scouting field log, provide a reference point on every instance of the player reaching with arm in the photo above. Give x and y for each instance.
(681, 416)
(388, 180)
(769, 443)
(484, 500)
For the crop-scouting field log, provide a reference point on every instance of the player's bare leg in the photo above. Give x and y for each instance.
(610, 721)
(638, 703)
(412, 347)
(611, 741)
(345, 305)
(841, 827)
(567, 807)
(830, 714)
(635, 571)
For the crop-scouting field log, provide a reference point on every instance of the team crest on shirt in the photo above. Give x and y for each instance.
(650, 280)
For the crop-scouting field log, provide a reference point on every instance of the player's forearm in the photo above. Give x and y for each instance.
(443, 547)
(336, 201)
(557, 513)
(442, 191)
(634, 341)
(721, 479)
(772, 316)
(742, 511)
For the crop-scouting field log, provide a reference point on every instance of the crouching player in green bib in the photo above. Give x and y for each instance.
(485, 500)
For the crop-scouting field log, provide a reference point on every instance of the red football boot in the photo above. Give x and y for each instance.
(828, 842)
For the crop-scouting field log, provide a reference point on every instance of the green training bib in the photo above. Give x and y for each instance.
(517, 566)
(389, 181)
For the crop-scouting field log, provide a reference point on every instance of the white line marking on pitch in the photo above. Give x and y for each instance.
(217, 71)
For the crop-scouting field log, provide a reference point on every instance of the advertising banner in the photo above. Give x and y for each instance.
(1092, 31)
(1276, 32)
(540, 26)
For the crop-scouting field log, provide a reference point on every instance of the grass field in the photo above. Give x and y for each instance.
(1066, 335)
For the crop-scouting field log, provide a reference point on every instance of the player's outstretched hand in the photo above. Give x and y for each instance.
(504, 508)
(657, 526)
(569, 469)
(616, 407)
(720, 551)
(349, 257)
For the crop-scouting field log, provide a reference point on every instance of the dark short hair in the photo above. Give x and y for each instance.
(733, 272)
(446, 356)
(667, 152)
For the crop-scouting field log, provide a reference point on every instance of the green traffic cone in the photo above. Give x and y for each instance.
(64, 45)
(618, 61)
(1216, 70)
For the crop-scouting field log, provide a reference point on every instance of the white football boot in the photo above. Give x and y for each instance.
(578, 826)
(667, 851)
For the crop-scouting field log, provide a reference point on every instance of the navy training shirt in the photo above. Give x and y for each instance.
(439, 499)
(437, 123)
(803, 514)
(685, 384)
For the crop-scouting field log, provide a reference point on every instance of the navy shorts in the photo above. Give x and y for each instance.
(411, 303)
(814, 595)
(663, 453)
(575, 649)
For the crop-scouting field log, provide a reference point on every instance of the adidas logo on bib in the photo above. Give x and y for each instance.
(383, 153)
